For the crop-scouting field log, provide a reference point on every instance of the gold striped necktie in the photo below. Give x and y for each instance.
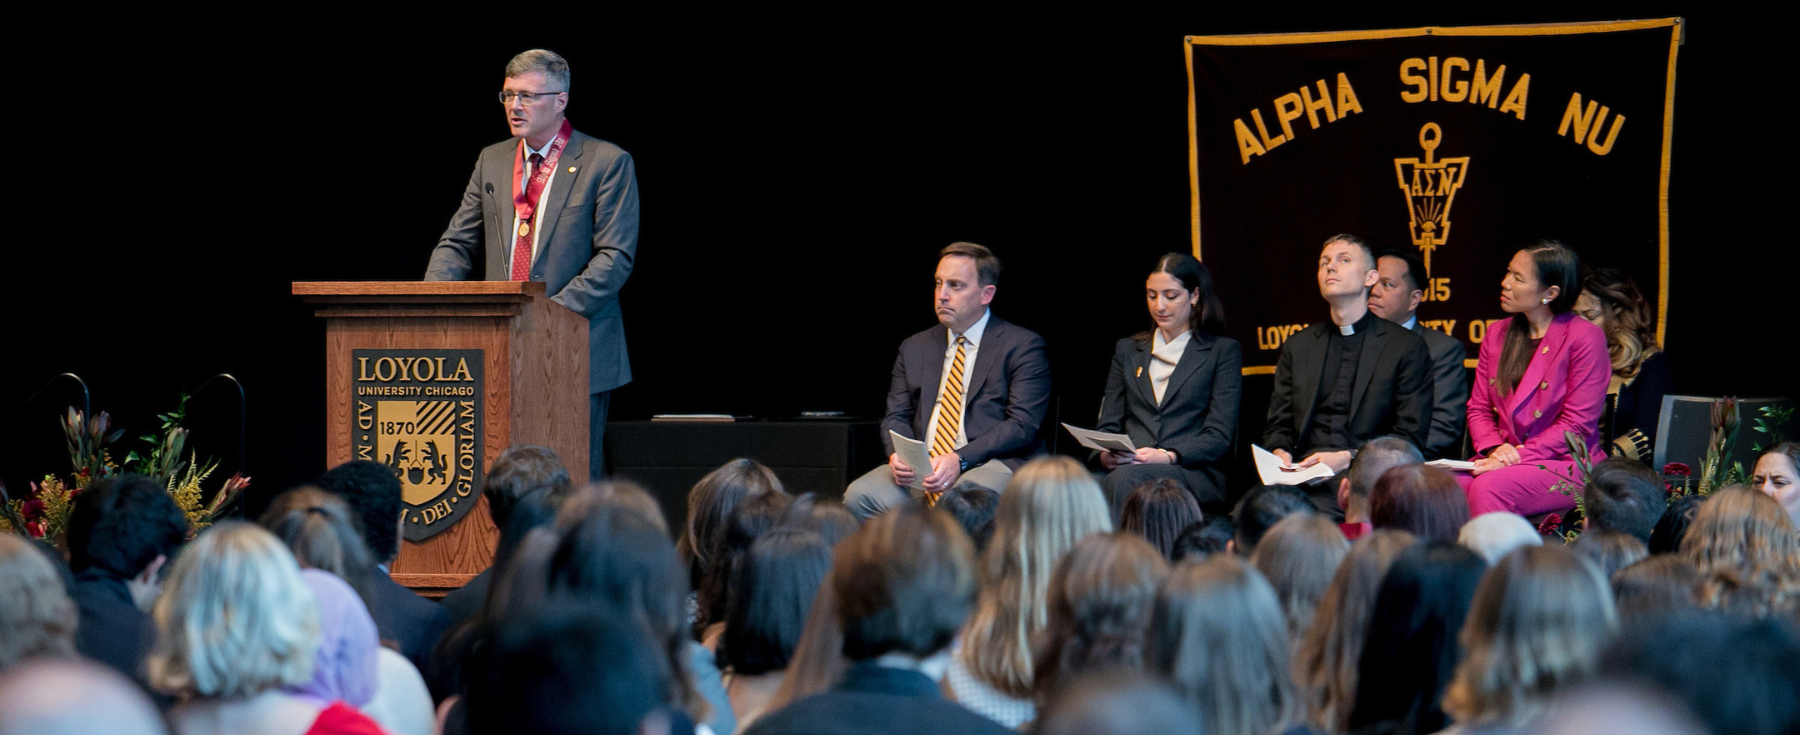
(950, 406)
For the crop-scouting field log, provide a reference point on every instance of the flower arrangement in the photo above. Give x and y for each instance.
(1553, 524)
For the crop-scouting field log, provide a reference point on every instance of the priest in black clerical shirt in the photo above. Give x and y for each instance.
(1342, 382)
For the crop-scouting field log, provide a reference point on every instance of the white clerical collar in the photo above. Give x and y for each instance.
(1347, 329)
(1410, 323)
(974, 333)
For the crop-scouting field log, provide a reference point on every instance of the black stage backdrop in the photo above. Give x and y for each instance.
(169, 181)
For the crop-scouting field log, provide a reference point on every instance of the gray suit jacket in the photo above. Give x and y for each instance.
(1008, 395)
(1450, 393)
(591, 217)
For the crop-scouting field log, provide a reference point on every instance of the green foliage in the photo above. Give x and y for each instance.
(1770, 425)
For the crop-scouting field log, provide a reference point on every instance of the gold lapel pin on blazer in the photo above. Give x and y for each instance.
(1140, 372)
(571, 169)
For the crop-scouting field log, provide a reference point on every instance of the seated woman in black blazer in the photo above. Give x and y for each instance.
(1174, 389)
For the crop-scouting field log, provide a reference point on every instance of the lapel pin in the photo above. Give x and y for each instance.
(1140, 372)
(571, 169)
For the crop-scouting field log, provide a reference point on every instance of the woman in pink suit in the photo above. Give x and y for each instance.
(1542, 373)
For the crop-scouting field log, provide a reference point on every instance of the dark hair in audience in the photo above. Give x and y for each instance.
(567, 669)
(1415, 266)
(535, 510)
(1327, 658)
(1207, 316)
(1368, 250)
(1736, 675)
(1654, 586)
(1217, 634)
(826, 517)
(1412, 650)
(1624, 495)
(616, 493)
(974, 507)
(752, 518)
(1119, 703)
(1159, 510)
(617, 557)
(987, 267)
(1666, 537)
(1376, 457)
(373, 491)
(1425, 501)
(320, 528)
(773, 592)
(121, 524)
(709, 505)
(517, 472)
(1557, 266)
(903, 583)
(1100, 598)
(1609, 550)
(1298, 557)
(1203, 539)
(1261, 509)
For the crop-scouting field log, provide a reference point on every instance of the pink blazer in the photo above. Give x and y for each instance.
(1564, 389)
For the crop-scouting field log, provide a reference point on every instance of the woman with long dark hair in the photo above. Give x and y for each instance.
(1542, 374)
(1640, 369)
(1174, 389)
(1410, 649)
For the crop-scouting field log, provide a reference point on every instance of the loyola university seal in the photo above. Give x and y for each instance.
(420, 413)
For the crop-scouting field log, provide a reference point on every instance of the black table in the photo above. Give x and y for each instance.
(818, 456)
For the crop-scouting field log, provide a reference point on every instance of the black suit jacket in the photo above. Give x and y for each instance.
(1008, 394)
(1450, 393)
(1392, 394)
(404, 617)
(111, 629)
(873, 700)
(1199, 411)
(463, 602)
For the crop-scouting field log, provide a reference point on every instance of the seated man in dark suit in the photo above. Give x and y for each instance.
(974, 389)
(904, 582)
(121, 533)
(1341, 382)
(517, 472)
(1396, 298)
(401, 615)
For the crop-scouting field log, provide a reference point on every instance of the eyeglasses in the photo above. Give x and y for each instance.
(506, 97)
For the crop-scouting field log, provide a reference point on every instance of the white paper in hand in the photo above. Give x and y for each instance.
(1276, 472)
(1101, 440)
(913, 454)
(1452, 464)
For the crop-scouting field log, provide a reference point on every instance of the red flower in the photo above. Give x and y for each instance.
(33, 509)
(35, 529)
(1550, 525)
(1669, 487)
(1677, 468)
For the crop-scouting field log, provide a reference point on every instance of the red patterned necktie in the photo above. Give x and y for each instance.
(521, 260)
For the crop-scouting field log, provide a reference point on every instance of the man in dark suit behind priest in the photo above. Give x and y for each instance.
(412, 622)
(552, 204)
(974, 389)
(1341, 382)
(1396, 298)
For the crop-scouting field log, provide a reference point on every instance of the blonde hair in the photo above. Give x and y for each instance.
(1746, 550)
(1298, 557)
(1049, 504)
(1217, 634)
(1536, 626)
(37, 618)
(234, 619)
(1326, 666)
(1100, 599)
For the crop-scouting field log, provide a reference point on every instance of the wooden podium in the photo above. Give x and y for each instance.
(436, 378)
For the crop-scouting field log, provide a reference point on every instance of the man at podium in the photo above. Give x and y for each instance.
(554, 205)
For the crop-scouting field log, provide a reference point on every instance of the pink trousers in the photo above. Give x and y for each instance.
(1527, 488)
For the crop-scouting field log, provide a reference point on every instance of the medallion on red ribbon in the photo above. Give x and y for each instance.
(525, 199)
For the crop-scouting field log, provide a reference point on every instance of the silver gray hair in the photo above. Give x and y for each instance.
(1378, 456)
(552, 65)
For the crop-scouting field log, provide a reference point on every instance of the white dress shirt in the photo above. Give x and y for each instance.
(1164, 355)
(973, 336)
(522, 184)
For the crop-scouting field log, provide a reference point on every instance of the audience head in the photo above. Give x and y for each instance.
(1159, 511)
(1743, 530)
(967, 275)
(1736, 675)
(1536, 626)
(1411, 648)
(1610, 299)
(1424, 501)
(235, 619)
(1545, 276)
(1609, 550)
(1654, 586)
(345, 664)
(710, 503)
(903, 583)
(1325, 667)
(1261, 509)
(616, 493)
(828, 518)
(773, 593)
(1203, 539)
(1672, 527)
(974, 507)
(519, 471)
(1610, 709)
(122, 524)
(69, 696)
(1119, 703)
(37, 618)
(1049, 505)
(1374, 459)
(1181, 295)
(818, 662)
(750, 520)
(1494, 535)
(320, 530)
(1777, 475)
(1100, 599)
(1397, 294)
(1347, 268)
(1217, 633)
(1625, 496)
(373, 491)
(568, 669)
(1298, 557)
